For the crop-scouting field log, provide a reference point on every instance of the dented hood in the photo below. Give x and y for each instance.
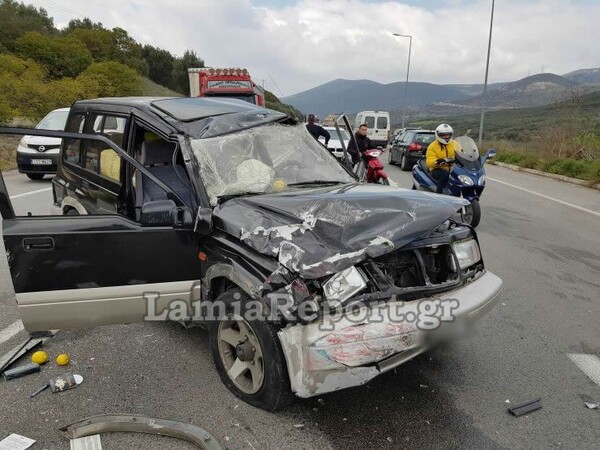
(317, 232)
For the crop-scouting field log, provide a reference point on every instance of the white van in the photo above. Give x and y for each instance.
(378, 126)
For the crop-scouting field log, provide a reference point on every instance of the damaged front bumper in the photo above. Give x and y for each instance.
(350, 349)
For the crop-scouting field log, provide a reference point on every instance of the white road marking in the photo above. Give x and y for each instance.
(580, 208)
(589, 364)
(10, 331)
(12, 197)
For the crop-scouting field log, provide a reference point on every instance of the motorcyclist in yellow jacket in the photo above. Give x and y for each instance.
(443, 147)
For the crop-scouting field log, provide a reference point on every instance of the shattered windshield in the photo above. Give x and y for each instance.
(266, 159)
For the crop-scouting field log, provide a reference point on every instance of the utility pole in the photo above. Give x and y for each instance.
(407, 73)
(487, 68)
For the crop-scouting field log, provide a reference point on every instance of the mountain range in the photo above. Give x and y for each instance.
(427, 99)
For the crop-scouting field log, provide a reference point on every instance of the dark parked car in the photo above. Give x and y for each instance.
(37, 155)
(409, 147)
(225, 215)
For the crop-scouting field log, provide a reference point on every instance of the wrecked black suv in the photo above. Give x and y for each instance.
(222, 214)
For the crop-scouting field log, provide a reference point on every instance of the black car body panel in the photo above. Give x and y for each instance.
(318, 232)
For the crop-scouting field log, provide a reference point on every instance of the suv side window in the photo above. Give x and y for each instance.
(72, 147)
(99, 159)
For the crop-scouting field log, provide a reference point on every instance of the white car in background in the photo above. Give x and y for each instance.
(37, 155)
(335, 146)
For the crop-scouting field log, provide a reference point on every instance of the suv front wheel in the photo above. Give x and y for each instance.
(248, 356)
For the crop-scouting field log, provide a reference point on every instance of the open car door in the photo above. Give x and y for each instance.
(81, 271)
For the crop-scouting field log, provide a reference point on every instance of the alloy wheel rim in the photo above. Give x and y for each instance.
(241, 354)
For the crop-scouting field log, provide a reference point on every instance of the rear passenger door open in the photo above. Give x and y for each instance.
(82, 271)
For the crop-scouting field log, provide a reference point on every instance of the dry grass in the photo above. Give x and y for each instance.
(8, 151)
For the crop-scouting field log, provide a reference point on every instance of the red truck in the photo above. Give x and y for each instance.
(232, 83)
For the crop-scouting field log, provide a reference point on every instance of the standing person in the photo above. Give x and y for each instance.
(359, 143)
(317, 130)
(443, 147)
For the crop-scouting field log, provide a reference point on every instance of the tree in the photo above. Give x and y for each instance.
(83, 24)
(17, 19)
(114, 79)
(129, 52)
(179, 77)
(62, 56)
(99, 41)
(160, 64)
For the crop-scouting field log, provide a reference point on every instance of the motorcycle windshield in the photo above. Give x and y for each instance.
(471, 161)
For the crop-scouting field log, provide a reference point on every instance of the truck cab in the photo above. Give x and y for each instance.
(230, 83)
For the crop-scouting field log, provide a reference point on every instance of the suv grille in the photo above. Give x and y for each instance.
(423, 267)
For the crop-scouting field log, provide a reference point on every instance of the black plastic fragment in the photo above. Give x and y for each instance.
(526, 407)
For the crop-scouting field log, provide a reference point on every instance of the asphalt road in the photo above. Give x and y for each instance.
(541, 236)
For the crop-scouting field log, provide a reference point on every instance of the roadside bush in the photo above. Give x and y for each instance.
(61, 56)
(113, 79)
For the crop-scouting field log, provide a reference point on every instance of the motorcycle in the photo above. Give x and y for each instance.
(467, 178)
(369, 169)
(372, 167)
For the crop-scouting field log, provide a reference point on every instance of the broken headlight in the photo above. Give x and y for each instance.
(467, 252)
(344, 285)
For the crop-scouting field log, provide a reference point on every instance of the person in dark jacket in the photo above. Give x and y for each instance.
(359, 143)
(317, 130)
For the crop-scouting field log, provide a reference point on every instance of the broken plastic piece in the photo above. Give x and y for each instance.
(592, 405)
(139, 424)
(65, 382)
(526, 407)
(21, 371)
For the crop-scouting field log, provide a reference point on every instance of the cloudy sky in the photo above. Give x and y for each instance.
(299, 44)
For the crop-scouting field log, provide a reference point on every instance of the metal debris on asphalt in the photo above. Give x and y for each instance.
(21, 371)
(592, 405)
(106, 423)
(526, 407)
(299, 425)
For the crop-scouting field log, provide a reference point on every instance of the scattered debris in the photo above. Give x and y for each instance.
(299, 425)
(321, 401)
(21, 371)
(17, 352)
(60, 384)
(507, 401)
(236, 407)
(39, 357)
(589, 401)
(423, 386)
(390, 439)
(106, 423)
(315, 409)
(63, 359)
(526, 407)
(16, 442)
(92, 442)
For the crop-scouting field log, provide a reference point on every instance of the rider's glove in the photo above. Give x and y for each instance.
(439, 161)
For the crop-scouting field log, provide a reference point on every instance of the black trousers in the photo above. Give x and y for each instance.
(441, 177)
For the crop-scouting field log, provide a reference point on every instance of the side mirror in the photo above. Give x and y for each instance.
(204, 222)
(162, 213)
(491, 153)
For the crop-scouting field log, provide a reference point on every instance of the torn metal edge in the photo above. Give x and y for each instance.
(106, 423)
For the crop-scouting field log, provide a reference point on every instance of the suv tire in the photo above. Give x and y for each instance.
(238, 346)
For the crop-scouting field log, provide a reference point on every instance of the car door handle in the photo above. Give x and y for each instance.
(38, 244)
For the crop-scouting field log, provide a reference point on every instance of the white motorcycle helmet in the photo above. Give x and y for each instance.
(444, 133)
(468, 149)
